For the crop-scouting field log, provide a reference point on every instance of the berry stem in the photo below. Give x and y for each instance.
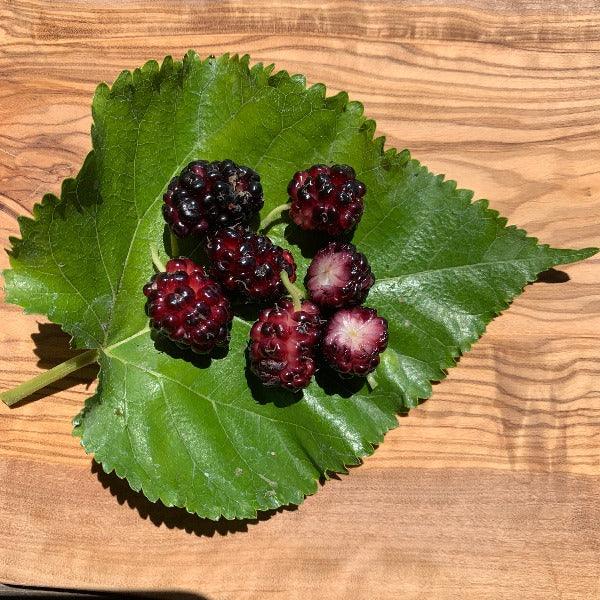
(273, 216)
(158, 264)
(294, 291)
(42, 380)
(372, 381)
(174, 246)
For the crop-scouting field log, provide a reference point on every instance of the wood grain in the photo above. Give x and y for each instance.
(489, 489)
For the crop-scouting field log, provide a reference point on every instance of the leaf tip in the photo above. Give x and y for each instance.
(568, 256)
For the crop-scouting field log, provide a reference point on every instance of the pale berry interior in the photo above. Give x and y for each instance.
(330, 271)
(354, 332)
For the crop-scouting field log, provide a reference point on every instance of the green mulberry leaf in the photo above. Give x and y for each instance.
(199, 432)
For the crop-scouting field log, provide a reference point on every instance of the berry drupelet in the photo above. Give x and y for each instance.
(249, 265)
(328, 199)
(354, 339)
(283, 344)
(209, 195)
(338, 276)
(189, 307)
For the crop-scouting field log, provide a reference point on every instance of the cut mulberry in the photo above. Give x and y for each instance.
(188, 306)
(328, 199)
(338, 276)
(283, 344)
(249, 265)
(209, 195)
(354, 339)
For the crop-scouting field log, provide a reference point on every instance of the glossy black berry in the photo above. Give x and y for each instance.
(209, 195)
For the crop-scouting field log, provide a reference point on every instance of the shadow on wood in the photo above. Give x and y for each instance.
(553, 276)
(173, 517)
(18, 591)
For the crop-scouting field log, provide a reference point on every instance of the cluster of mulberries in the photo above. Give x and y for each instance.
(192, 304)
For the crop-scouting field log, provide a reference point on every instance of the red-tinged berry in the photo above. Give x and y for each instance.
(209, 195)
(283, 344)
(328, 199)
(249, 265)
(339, 276)
(354, 339)
(188, 306)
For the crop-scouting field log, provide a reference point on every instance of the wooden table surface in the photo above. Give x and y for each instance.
(490, 488)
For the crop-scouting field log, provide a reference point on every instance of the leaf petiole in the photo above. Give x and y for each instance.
(158, 264)
(42, 380)
(273, 216)
(174, 242)
(294, 291)
(372, 381)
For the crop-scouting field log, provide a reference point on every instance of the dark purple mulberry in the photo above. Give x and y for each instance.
(283, 343)
(189, 307)
(249, 265)
(328, 199)
(209, 195)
